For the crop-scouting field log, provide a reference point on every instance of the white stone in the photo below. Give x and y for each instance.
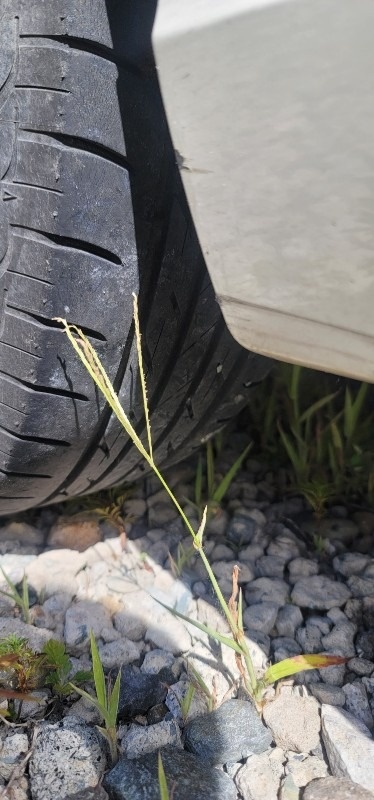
(349, 746)
(123, 651)
(214, 672)
(129, 622)
(169, 633)
(305, 768)
(260, 776)
(156, 660)
(14, 567)
(83, 617)
(294, 721)
(13, 750)
(56, 571)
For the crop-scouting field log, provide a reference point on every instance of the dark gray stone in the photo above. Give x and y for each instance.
(350, 564)
(319, 591)
(361, 587)
(327, 693)
(309, 638)
(288, 620)
(231, 732)
(139, 691)
(137, 779)
(262, 590)
(241, 530)
(284, 647)
(270, 567)
(365, 645)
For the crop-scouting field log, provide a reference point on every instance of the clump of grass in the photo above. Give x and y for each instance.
(22, 670)
(207, 491)
(21, 600)
(231, 610)
(321, 429)
(104, 505)
(105, 701)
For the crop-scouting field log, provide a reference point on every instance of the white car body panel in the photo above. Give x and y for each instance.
(271, 110)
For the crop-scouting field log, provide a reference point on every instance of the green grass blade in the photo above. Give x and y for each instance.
(294, 382)
(219, 637)
(348, 415)
(91, 699)
(210, 468)
(98, 673)
(142, 374)
(187, 700)
(25, 599)
(296, 462)
(323, 401)
(356, 408)
(199, 481)
(226, 482)
(14, 593)
(113, 701)
(164, 792)
(290, 666)
(200, 681)
(336, 437)
(240, 610)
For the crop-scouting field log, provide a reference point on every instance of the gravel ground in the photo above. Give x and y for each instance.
(307, 586)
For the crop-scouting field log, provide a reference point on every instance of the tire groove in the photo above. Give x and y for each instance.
(88, 46)
(35, 439)
(80, 143)
(38, 389)
(75, 244)
(28, 475)
(46, 322)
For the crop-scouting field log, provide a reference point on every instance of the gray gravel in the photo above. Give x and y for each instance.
(319, 728)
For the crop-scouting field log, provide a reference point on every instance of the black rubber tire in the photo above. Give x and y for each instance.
(92, 209)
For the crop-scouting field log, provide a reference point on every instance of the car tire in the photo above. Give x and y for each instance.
(92, 209)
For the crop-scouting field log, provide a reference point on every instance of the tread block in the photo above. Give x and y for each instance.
(81, 101)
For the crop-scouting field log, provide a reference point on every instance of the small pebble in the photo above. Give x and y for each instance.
(260, 616)
(327, 693)
(272, 590)
(288, 620)
(230, 733)
(320, 592)
(139, 691)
